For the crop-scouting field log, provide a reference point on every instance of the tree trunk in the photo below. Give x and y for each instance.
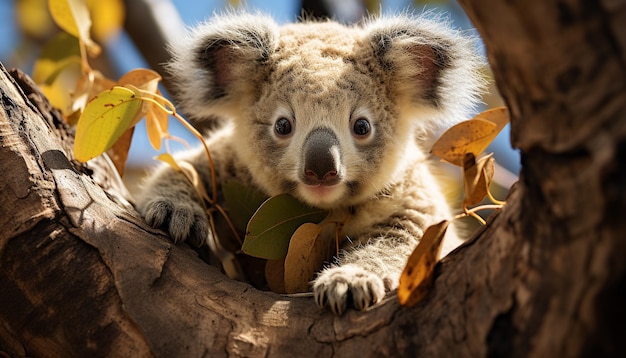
(81, 274)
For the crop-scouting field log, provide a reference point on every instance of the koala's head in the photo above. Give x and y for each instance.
(322, 111)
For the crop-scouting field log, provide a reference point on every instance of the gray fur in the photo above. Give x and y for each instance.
(407, 76)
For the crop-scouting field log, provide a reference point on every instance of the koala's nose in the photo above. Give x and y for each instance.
(322, 158)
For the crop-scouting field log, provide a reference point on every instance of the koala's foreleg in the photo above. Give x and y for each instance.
(172, 203)
(366, 271)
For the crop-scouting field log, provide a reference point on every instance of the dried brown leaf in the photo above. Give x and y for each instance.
(472, 136)
(498, 116)
(141, 78)
(119, 151)
(466, 137)
(275, 275)
(477, 177)
(305, 256)
(417, 276)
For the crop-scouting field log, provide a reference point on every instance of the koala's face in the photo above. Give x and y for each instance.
(325, 112)
(323, 128)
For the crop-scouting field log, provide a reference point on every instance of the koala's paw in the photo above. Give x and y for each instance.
(184, 220)
(340, 286)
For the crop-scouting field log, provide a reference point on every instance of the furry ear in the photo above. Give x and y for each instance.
(437, 67)
(221, 62)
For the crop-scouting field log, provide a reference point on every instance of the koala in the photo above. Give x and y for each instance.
(340, 117)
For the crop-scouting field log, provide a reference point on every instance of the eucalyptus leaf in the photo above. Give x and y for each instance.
(242, 201)
(58, 54)
(305, 257)
(106, 117)
(272, 225)
(417, 276)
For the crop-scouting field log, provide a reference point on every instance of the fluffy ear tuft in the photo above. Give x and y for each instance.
(436, 66)
(221, 62)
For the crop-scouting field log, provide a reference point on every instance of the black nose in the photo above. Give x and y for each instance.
(322, 158)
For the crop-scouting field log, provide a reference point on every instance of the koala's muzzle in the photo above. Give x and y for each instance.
(322, 158)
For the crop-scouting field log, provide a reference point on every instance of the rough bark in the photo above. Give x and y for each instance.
(80, 273)
(561, 68)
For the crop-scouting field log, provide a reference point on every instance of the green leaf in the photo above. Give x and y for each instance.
(273, 224)
(106, 117)
(242, 202)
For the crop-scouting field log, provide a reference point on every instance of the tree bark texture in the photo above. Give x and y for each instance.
(561, 68)
(81, 274)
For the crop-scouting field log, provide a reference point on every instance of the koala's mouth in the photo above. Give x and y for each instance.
(321, 195)
(322, 190)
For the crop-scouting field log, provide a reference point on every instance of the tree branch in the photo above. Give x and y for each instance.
(152, 25)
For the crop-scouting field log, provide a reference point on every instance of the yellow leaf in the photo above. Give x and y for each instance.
(58, 95)
(99, 83)
(156, 117)
(33, 18)
(87, 87)
(73, 17)
(103, 121)
(305, 256)
(107, 17)
(477, 176)
(275, 275)
(146, 80)
(58, 54)
(156, 124)
(417, 276)
(167, 158)
(472, 136)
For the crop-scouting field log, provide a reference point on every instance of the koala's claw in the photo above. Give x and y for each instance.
(337, 287)
(183, 221)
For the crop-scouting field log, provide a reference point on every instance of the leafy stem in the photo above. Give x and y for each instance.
(171, 110)
(472, 212)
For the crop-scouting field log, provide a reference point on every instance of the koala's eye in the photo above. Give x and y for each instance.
(282, 126)
(361, 127)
